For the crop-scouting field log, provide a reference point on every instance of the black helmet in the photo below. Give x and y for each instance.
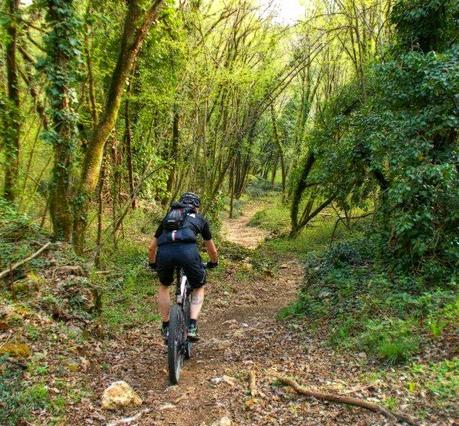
(190, 198)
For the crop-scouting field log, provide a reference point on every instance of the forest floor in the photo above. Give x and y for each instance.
(240, 335)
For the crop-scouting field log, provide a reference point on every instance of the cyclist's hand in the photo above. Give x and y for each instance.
(152, 266)
(211, 265)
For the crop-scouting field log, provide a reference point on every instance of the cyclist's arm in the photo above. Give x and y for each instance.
(211, 250)
(152, 249)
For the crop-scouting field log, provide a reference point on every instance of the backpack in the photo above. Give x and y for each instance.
(175, 217)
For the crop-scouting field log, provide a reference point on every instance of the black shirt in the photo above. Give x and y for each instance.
(194, 221)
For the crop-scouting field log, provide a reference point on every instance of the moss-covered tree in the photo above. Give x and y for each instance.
(11, 109)
(61, 65)
(140, 16)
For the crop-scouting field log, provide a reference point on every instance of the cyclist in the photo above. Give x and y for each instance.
(174, 245)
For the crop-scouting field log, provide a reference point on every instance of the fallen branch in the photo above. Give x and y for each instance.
(253, 383)
(22, 262)
(340, 399)
(128, 420)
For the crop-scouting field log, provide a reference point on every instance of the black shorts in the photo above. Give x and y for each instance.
(183, 255)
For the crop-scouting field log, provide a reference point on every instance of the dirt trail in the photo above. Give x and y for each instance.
(237, 230)
(240, 334)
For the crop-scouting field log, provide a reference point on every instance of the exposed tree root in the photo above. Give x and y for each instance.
(340, 399)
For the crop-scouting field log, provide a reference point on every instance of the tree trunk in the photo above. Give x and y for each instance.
(274, 169)
(91, 85)
(29, 78)
(100, 211)
(173, 152)
(244, 163)
(116, 184)
(281, 151)
(231, 180)
(63, 117)
(298, 192)
(136, 27)
(128, 141)
(308, 215)
(12, 122)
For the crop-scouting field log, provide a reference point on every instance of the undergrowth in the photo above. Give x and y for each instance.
(367, 307)
(18, 236)
(259, 187)
(129, 287)
(46, 310)
(276, 218)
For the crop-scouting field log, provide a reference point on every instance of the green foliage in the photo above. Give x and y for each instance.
(316, 236)
(22, 400)
(393, 341)
(398, 145)
(13, 225)
(128, 298)
(441, 378)
(445, 317)
(303, 305)
(61, 65)
(274, 218)
(212, 209)
(17, 231)
(429, 25)
(35, 396)
(259, 187)
(419, 214)
(369, 308)
(10, 385)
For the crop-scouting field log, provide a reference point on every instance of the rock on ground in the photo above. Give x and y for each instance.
(118, 395)
(224, 421)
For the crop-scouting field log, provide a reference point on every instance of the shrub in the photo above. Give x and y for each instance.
(399, 144)
(367, 307)
(258, 187)
(14, 226)
(391, 340)
(12, 411)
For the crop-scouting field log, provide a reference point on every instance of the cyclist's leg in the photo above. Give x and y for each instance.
(197, 299)
(165, 270)
(164, 302)
(196, 275)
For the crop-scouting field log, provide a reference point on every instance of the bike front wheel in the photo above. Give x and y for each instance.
(176, 343)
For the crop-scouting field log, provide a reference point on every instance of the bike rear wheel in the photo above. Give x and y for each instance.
(176, 343)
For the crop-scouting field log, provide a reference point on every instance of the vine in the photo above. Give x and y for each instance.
(61, 66)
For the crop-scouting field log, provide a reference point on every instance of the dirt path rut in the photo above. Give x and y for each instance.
(240, 334)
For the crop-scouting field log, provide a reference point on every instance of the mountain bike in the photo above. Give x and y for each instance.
(179, 347)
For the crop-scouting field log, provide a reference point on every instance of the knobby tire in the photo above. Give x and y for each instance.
(175, 343)
(186, 309)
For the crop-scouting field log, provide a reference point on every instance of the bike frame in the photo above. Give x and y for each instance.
(179, 347)
(182, 289)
